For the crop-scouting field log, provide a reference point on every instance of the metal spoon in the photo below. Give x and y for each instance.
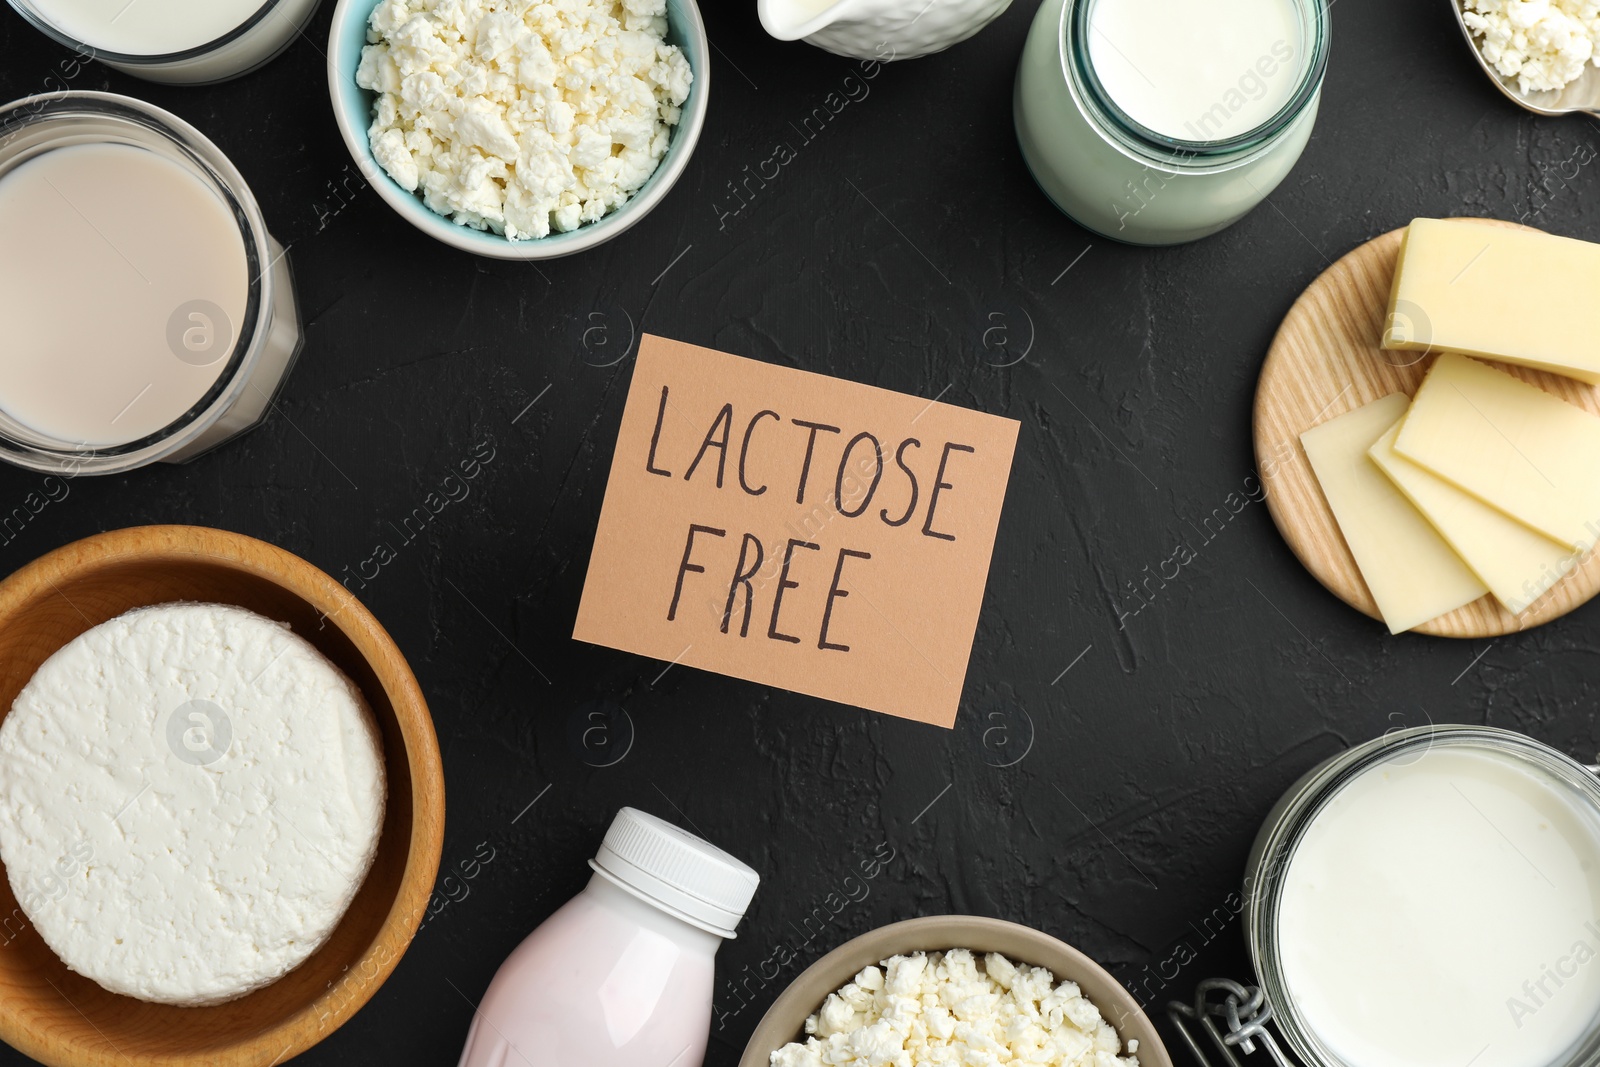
(1582, 95)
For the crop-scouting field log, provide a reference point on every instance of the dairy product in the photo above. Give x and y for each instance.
(1411, 572)
(522, 119)
(1517, 564)
(1517, 296)
(621, 975)
(1232, 66)
(1443, 910)
(190, 796)
(1197, 72)
(123, 285)
(182, 42)
(951, 1007)
(147, 27)
(1510, 444)
(1544, 44)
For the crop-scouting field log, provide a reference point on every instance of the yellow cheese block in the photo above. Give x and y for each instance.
(1409, 569)
(1510, 444)
(1517, 564)
(1518, 296)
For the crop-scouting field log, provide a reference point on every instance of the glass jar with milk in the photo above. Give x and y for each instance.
(1430, 898)
(1156, 122)
(149, 315)
(185, 42)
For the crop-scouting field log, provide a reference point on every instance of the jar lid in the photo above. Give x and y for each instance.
(676, 871)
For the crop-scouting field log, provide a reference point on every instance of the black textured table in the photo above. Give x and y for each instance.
(1115, 754)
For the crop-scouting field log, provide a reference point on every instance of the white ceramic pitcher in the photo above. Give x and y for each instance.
(878, 29)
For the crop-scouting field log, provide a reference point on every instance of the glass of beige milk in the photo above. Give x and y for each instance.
(186, 42)
(149, 315)
(1156, 122)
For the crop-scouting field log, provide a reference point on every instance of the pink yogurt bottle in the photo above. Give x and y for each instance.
(622, 974)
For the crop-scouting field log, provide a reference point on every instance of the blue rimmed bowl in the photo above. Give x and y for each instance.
(352, 109)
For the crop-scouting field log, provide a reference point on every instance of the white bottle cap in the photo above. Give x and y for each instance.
(676, 871)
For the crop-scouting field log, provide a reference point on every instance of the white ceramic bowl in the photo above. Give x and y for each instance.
(352, 110)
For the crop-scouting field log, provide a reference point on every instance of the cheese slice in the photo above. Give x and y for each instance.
(1410, 570)
(1517, 564)
(1519, 296)
(1510, 444)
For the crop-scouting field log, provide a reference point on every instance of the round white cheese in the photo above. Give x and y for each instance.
(190, 796)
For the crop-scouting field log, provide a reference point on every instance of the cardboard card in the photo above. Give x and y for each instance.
(797, 530)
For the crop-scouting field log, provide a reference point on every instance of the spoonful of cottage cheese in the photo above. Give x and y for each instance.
(522, 117)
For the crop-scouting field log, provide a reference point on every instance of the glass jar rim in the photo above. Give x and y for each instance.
(1286, 827)
(215, 168)
(1130, 134)
(135, 59)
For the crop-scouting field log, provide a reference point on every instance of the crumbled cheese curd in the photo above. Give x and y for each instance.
(1544, 44)
(950, 1008)
(522, 117)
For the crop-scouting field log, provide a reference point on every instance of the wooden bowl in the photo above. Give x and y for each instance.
(66, 1020)
(785, 1020)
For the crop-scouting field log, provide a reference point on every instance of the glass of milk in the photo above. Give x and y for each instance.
(1156, 122)
(184, 42)
(1432, 899)
(149, 315)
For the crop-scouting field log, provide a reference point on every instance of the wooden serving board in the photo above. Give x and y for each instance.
(1325, 361)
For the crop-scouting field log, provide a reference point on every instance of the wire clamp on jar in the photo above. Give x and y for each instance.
(1244, 1010)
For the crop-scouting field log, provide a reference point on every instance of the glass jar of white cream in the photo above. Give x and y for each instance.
(1431, 899)
(149, 314)
(1156, 122)
(182, 42)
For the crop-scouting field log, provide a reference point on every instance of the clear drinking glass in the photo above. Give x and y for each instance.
(269, 339)
(1126, 181)
(252, 44)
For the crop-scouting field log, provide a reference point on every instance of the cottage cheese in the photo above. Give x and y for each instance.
(951, 1008)
(190, 796)
(522, 117)
(1544, 44)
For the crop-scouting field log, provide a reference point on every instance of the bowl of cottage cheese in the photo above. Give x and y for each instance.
(520, 130)
(955, 989)
(1542, 54)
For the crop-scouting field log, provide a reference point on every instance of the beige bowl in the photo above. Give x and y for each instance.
(785, 1020)
(66, 1020)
